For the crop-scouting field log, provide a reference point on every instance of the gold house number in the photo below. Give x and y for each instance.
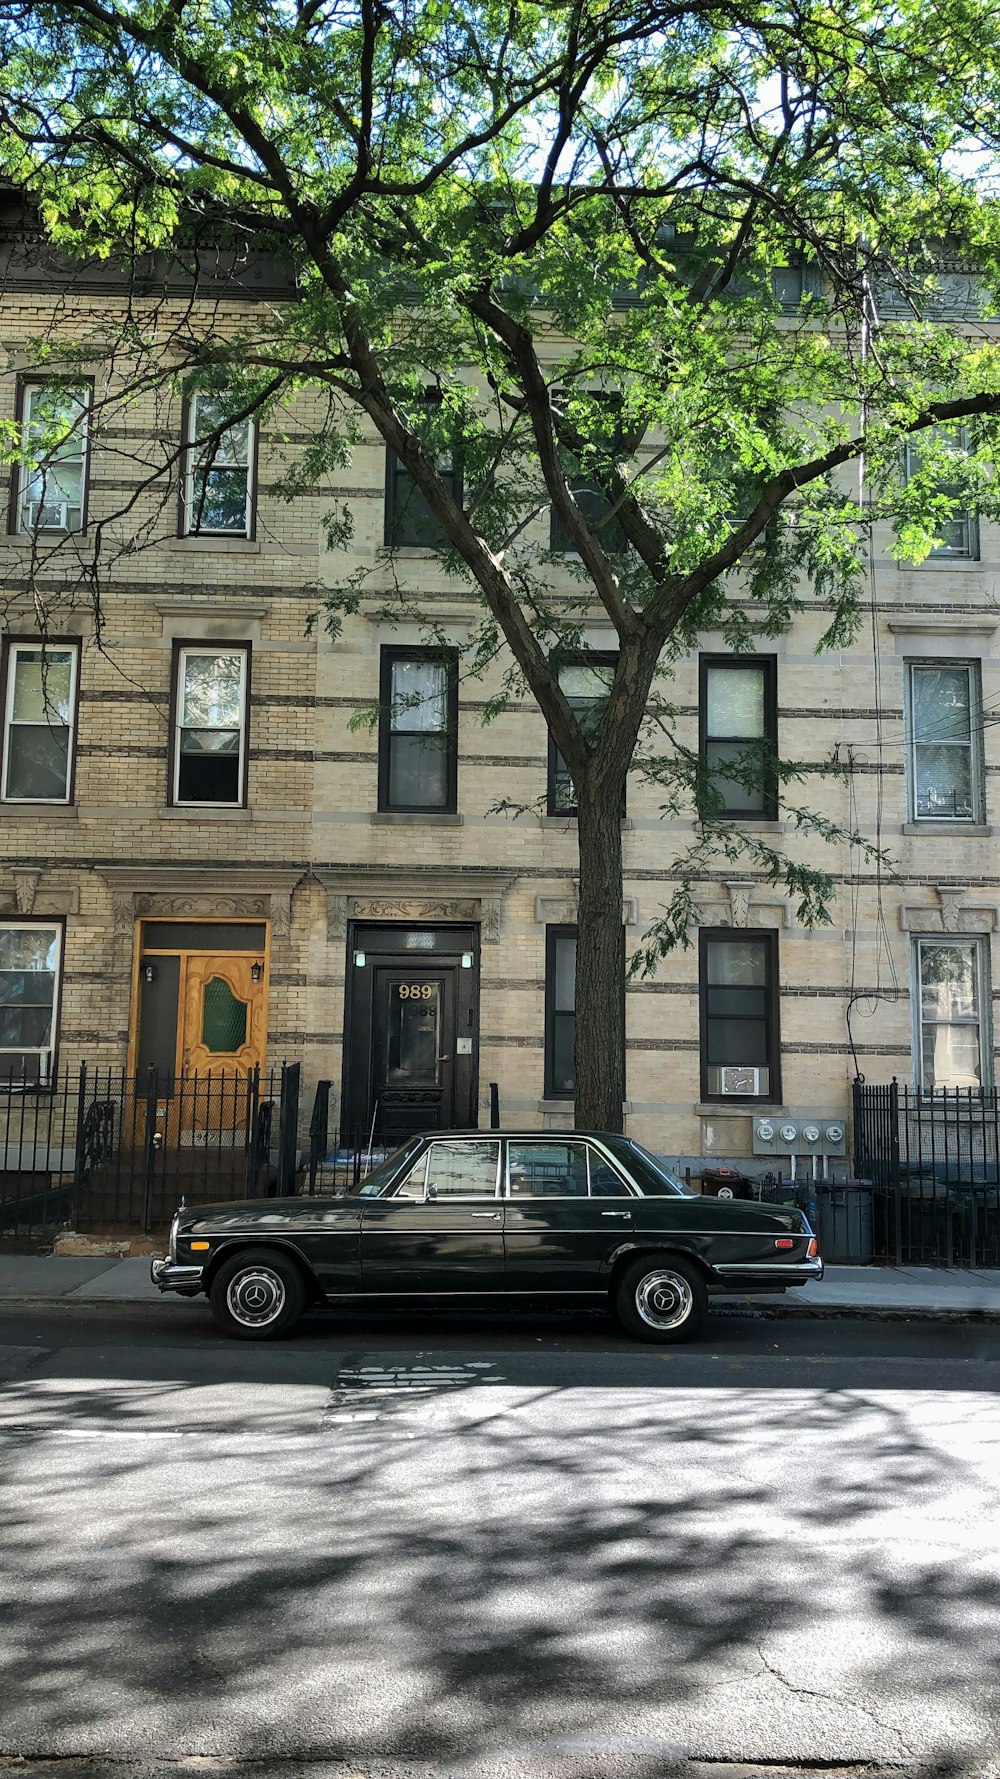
(416, 991)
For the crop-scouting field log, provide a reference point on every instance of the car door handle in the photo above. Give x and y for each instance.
(616, 1214)
(494, 1216)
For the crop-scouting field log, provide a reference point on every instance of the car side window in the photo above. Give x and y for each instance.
(462, 1170)
(605, 1182)
(547, 1170)
(412, 1184)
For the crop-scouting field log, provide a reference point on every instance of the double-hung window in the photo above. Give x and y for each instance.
(218, 492)
(409, 522)
(418, 732)
(593, 503)
(50, 481)
(952, 997)
(30, 960)
(944, 741)
(958, 534)
(210, 725)
(560, 1012)
(738, 741)
(739, 1015)
(39, 722)
(586, 683)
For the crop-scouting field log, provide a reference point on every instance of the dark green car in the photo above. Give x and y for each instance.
(474, 1217)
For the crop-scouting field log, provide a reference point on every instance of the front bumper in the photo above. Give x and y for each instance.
(168, 1275)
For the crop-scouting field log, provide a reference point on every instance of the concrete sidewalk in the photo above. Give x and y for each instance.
(876, 1291)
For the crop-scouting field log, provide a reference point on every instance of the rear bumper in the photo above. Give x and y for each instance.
(167, 1275)
(770, 1272)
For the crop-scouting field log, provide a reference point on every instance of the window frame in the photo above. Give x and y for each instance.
(25, 384)
(390, 654)
(184, 646)
(394, 469)
(71, 644)
(768, 665)
(767, 938)
(55, 923)
(579, 658)
(978, 944)
(969, 516)
(609, 535)
(185, 528)
(977, 776)
(553, 934)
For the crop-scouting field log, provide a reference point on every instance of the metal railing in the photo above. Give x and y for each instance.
(933, 1161)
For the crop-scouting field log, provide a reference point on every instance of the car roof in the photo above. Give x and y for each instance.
(602, 1136)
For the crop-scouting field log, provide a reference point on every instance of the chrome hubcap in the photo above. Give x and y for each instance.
(255, 1297)
(664, 1299)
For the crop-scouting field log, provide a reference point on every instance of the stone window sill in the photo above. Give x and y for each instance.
(749, 823)
(203, 813)
(741, 1109)
(972, 830)
(238, 546)
(415, 818)
(23, 540)
(568, 823)
(46, 812)
(566, 1106)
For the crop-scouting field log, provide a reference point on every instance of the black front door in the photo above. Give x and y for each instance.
(411, 1036)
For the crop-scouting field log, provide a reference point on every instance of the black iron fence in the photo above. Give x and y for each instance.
(933, 1163)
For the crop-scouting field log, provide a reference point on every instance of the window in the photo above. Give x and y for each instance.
(30, 955)
(944, 737)
(739, 1015)
(218, 493)
(210, 726)
(959, 533)
(596, 510)
(738, 741)
(418, 763)
(547, 1170)
(952, 991)
(50, 483)
(586, 682)
(39, 722)
(463, 1170)
(409, 522)
(560, 1012)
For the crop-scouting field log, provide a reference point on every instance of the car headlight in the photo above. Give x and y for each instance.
(173, 1235)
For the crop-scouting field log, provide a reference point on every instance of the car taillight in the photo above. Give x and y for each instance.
(812, 1250)
(784, 1242)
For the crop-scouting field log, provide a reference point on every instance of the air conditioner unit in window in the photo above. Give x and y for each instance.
(51, 515)
(740, 1081)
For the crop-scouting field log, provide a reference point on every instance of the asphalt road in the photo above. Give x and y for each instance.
(485, 1547)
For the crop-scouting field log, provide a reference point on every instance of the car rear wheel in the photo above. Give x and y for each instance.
(661, 1299)
(257, 1295)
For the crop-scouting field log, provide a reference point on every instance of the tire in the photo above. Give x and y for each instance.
(258, 1295)
(661, 1299)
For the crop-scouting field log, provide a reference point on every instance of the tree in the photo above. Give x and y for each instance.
(668, 269)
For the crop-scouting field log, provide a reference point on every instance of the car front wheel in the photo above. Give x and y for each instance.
(662, 1300)
(258, 1295)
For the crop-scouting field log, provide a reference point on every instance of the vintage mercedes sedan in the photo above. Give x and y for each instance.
(476, 1217)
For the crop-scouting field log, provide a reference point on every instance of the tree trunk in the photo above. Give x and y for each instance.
(600, 960)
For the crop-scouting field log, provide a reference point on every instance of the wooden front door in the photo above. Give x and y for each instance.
(221, 1024)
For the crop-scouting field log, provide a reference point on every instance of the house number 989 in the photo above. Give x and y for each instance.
(416, 991)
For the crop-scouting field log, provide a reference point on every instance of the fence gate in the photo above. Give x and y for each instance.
(933, 1160)
(145, 1141)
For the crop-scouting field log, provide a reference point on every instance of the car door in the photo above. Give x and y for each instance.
(442, 1230)
(567, 1210)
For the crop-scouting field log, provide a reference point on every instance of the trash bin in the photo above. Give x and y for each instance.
(725, 1182)
(845, 1224)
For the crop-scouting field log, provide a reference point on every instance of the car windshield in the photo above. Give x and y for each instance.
(375, 1182)
(650, 1174)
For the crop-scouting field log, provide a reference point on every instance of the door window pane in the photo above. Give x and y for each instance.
(463, 1170)
(217, 495)
(945, 771)
(29, 978)
(54, 459)
(211, 741)
(224, 1018)
(41, 693)
(949, 979)
(413, 1034)
(547, 1170)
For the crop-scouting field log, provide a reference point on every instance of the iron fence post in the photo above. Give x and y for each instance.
(78, 1157)
(288, 1125)
(149, 1153)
